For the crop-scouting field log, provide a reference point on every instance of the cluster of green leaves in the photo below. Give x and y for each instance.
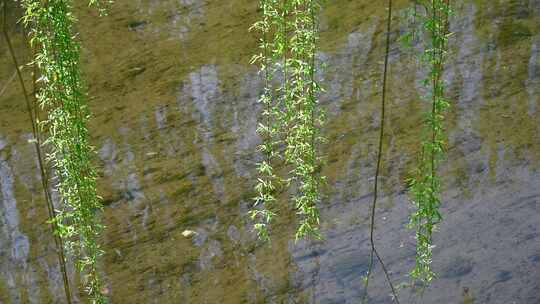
(61, 95)
(292, 119)
(425, 185)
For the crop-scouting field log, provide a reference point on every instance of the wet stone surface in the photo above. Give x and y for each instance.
(175, 112)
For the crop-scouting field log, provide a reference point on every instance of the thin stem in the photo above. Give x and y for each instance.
(377, 170)
(435, 81)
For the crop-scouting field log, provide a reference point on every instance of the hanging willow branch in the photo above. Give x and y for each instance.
(425, 186)
(59, 244)
(291, 116)
(303, 134)
(374, 251)
(268, 128)
(62, 96)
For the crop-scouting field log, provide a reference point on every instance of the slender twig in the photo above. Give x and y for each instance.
(37, 144)
(374, 251)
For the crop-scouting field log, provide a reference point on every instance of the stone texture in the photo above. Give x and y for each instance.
(175, 110)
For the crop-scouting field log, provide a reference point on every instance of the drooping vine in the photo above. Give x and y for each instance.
(62, 95)
(374, 252)
(425, 185)
(292, 118)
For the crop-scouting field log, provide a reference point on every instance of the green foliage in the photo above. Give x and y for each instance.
(425, 186)
(291, 116)
(61, 94)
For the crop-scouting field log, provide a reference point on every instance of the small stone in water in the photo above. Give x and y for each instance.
(189, 233)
